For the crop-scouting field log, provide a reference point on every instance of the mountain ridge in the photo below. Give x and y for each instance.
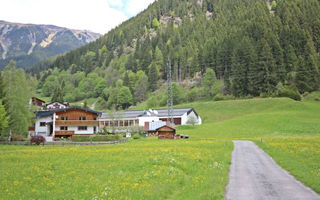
(28, 44)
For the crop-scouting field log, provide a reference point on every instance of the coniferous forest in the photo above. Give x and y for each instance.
(217, 48)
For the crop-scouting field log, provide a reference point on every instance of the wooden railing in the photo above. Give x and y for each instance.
(77, 122)
(64, 132)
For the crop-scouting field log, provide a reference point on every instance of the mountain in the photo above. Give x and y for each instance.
(216, 48)
(28, 44)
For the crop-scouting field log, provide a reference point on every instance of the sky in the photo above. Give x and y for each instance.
(95, 15)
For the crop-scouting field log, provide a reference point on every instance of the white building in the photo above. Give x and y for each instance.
(181, 116)
(65, 122)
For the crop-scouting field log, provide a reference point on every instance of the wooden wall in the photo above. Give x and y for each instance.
(74, 114)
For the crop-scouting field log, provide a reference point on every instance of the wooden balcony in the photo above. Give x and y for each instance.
(64, 132)
(77, 122)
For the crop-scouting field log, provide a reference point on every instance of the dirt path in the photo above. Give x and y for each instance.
(255, 175)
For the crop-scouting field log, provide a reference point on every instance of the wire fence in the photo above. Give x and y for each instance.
(65, 143)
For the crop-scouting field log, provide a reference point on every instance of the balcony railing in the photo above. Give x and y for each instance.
(64, 132)
(77, 122)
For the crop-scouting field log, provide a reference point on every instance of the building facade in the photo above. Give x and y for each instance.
(65, 122)
(181, 116)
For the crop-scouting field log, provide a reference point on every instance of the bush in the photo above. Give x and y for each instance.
(136, 136)
(193, 94)
(18, 138)
(286, 92)
(218, 97)
(38, 139)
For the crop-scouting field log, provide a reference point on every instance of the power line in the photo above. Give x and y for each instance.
(170, 96)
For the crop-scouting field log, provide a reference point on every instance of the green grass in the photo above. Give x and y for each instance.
(158, 169)
(290, 131)
(299, 155)
(253, 118)
(144, 169)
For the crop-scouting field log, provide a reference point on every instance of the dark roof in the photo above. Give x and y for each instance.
(50, 112)
(38, 99)
(140, 113)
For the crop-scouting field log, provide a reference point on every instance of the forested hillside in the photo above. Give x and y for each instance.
(216, 47)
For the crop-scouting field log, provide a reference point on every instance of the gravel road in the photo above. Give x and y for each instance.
(255, 175)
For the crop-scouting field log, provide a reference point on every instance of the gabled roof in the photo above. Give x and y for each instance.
(147, 113)
(155, 125)
(38, 99)
(63, 103)
(166, 126)
(50, 112)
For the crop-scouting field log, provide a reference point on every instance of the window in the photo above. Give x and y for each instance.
(63, 128)
(64, 118)
(42, 124)
(82, 128)
(82, 118)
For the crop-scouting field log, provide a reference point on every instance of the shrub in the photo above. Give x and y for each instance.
(286, 92)
(38, 139)
(87, 138)
(18, 138)
(218, 97)
(80, 138)
(136, 136)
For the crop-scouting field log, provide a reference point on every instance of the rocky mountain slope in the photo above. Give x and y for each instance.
(28, 44)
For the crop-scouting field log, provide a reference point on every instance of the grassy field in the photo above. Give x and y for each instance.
(299, 155)
(146, 169)
(289, 130)
(184, 169)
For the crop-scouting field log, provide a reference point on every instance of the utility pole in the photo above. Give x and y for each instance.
(170, 96)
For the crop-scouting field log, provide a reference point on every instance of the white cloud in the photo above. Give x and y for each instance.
(94, 15)
(133, 7)
(115, 4)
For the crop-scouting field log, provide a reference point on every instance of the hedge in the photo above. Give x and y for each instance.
(86, 138)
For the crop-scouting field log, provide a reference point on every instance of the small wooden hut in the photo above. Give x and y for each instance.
(166, 132)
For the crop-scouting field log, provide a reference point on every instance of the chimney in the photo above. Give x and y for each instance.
(146, 126)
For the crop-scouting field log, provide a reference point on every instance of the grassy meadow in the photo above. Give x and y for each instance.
(145, 169)
(289, 130)
(165, 169)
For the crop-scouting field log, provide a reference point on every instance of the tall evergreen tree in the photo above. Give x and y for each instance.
(153, 77)
(57, 94)
(209, 80)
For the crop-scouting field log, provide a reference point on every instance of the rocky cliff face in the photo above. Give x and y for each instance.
(28, 44)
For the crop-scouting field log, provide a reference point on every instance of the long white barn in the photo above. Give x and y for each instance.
(181, 116)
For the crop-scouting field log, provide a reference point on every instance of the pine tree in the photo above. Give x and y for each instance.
(153, 77)
(209, 80)
(57, 94)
